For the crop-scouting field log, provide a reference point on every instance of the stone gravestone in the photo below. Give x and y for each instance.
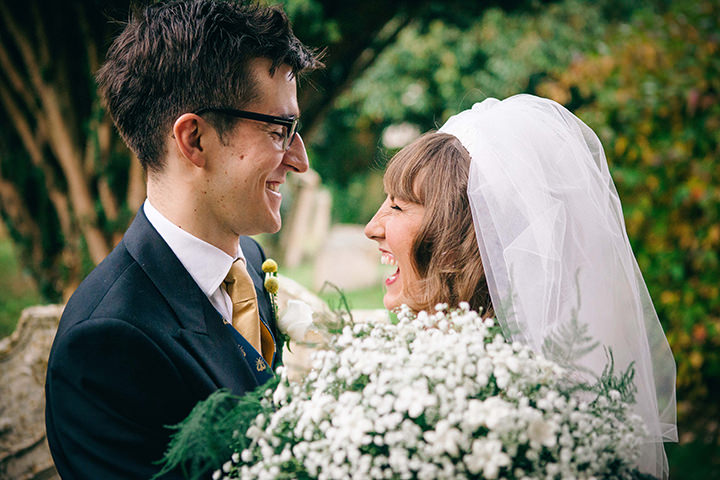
(307, 225)
(348, 259)
(24, 452)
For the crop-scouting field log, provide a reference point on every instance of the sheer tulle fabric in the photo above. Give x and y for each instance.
(554, 247)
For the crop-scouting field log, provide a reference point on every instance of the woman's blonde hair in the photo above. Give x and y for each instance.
(433, 172)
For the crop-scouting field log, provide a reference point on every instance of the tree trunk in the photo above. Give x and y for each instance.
(68, 189)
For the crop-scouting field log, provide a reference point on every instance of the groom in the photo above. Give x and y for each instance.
(204, 93)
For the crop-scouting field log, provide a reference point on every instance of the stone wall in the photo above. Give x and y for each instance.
(24, 452)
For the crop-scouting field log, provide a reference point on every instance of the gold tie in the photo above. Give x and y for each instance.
(245, 317)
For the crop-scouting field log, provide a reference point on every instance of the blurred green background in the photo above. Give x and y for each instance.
(644, 75)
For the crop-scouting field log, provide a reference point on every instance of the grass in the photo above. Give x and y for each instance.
(365, 298)
(17, 290)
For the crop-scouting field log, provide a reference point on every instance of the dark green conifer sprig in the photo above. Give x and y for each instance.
(214, 430)
(568, 343)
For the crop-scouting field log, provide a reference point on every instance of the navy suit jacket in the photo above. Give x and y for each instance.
(138, 345)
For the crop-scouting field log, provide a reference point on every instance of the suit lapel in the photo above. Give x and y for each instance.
(218, 353)
(254, 260)
(201, 330)
(264, 308)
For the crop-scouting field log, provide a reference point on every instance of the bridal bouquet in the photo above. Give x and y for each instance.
(439, 395)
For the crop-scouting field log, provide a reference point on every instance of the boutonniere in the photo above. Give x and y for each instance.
(272, 285)
(270, 267)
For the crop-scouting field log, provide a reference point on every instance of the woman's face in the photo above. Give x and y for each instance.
(394, 227)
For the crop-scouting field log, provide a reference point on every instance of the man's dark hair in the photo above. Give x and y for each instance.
(177, 57)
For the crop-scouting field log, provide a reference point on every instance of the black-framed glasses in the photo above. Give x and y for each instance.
(290, 125)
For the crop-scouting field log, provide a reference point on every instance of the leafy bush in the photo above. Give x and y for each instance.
(437, 68)
(654, 99)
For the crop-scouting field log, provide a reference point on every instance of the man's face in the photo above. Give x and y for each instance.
(245, 175)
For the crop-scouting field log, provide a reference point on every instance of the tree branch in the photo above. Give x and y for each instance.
(60, 81)
(42, 43)
(34, 149)
(16, 80)
(21, 125)
(92, 51)
(136, 192)
(13, 205)
(24, 47)
(64, 148)
(383, 39)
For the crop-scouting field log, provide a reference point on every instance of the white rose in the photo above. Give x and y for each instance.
(296, 320)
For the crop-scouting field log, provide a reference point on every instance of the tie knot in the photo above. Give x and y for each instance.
(238, 283)
(237, 272)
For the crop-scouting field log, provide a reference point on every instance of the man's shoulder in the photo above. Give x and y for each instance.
(117, 288)
(95, 288)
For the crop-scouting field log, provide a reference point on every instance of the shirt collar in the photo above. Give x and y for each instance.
(206, 264)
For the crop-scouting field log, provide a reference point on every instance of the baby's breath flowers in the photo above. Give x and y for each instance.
(437, 395)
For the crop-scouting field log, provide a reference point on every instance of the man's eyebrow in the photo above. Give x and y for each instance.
(286, 116)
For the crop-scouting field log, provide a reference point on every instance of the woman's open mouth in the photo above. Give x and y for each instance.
(388, 259)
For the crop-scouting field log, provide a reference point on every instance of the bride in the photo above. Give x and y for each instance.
(510, 206)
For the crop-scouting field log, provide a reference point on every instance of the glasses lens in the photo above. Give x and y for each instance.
(290, 134)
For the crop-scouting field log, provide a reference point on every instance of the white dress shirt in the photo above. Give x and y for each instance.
(206, 264)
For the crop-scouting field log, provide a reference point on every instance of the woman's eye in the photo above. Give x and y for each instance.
(395, 207)
(277, 135)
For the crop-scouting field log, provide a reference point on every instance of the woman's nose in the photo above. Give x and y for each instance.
(375, 229)
(296, 156)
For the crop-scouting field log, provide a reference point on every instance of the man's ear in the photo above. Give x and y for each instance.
(191, 134)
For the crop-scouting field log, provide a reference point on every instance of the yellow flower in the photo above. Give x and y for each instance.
(272, 285)
(269, 266)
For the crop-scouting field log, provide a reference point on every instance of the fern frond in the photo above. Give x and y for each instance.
(214, 429)
(568, 343)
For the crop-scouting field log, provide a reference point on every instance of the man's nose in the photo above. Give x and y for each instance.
(296, 156)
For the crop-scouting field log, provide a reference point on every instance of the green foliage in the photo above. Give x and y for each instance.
(696, 460)
(624, 382)
(214, 429)
(17, 292)
(653, 96)
(358, 200)
(309, 16)
(435, 69)
(569, 343)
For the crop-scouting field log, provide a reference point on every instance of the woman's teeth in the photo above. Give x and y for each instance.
(275, 187)
(387, 259)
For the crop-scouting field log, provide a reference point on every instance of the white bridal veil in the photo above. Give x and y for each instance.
(556, 254)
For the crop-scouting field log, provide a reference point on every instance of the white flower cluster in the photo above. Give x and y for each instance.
(437, 396)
